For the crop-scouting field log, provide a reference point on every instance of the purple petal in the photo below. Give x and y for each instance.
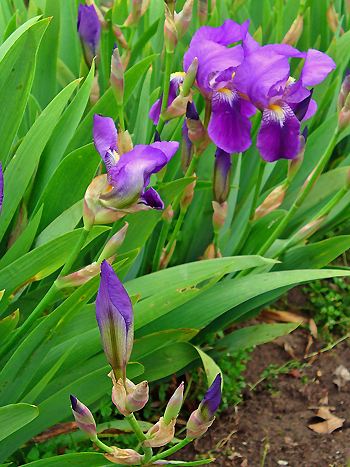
(1, 186)
(131, 175)
(262, 74)
(191, 111)
(105, 138)
(316, 68)
(278, 137)
(311, 110)
(152, 199)
(89, 26)
(186, 148)
(83, 417)
(300, 109)
(250, 45)
(114, 317)
(228, 128)
(212, 398)
(156, 108)
(285, 49)
(226, 34)
(212, 57)
(222, 168)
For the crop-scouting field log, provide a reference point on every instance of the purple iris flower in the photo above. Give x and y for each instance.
(89, 27)
(229, 125)
(176, 80)
(115, 319)
(129, 174)
(1, 187)
(264, 77)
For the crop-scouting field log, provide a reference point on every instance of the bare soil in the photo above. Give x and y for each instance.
(270, 427)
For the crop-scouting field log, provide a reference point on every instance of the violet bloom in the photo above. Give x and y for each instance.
(202, 418)
(115, 320)
(176, 80)
(229, 125)
(89, 27)
(1, 187)
(264, 77)
(129, 174)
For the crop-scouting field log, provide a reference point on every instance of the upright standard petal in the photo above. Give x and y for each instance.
(316, 68)
(229, 128)
(105, 137)
(1, 187)
(89, 27)
(226, 34)
(115, 319)
(278, 136)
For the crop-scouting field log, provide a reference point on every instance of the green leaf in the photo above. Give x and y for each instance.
(62, 135)
(8, 324)
(142, 125)
(81, 459)
(251, 336)
(17, 64)
(21, 167)
(15, 416)
(210, 367)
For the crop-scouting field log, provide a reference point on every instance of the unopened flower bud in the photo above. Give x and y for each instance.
(124, 456)
(196, 131)
(210, 252)
(344, 91)
(124, 142)
(171, 5)
(126, 58)
(160, 434)
(174, 405)
(117, 77)
(177, 108)
(333, 19)
(166, 256)
(183, 19)
(144, 7)
(295, 31)
(186, 148)
(135, 14)
(219, 215)
(188, 194)
(168, 214)
(80, 277)
(89, 29)
(170, 32)
(129, 397)
(190, 77)
(114, 243)
(309, 229)
(203, 11)
(95, 90)
(83, 417)
(222, 175)
(120, 37)
(202, 418)
(271, 202)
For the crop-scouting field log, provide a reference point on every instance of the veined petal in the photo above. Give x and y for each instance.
(228, 128)
(115, 318)
(105, 137)
(316, 68)
(278, 136)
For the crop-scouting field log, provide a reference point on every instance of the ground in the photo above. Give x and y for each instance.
(270, 426)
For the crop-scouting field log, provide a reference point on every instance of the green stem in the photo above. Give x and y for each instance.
(302, 195)
(102, 446)
(48, 298)
(160, 245)
(140, 436)
(172, 450)
(121, 117)
(177, 229)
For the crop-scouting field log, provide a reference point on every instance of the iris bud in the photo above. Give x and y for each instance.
(183, 19)
(174, 405)
(127, 396)
(344, 91)
(160, 434)
(83, 417)
(222, 175)
(117, 77)
(114, 243)
(295, 31)
(170, 32)
(271, 202)
(124, 456)
(188, 194)
(203, 11)
(202, 418)
(120, 37)
(135, 14)
(219, 215)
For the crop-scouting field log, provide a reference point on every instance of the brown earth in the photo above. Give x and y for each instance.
(270, 427)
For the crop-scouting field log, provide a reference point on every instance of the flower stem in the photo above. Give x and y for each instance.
(141, 437)
(48, 298)
(301, 196)
(172, 450)
(102, 445)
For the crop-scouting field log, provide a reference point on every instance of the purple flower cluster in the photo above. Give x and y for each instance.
(239, 80)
